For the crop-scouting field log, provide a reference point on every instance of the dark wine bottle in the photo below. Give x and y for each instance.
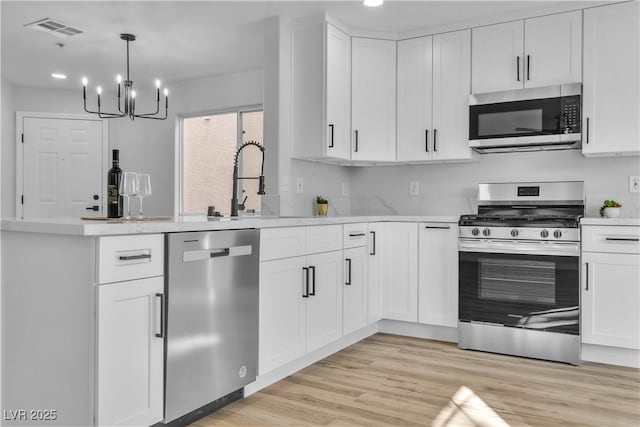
(114, 199)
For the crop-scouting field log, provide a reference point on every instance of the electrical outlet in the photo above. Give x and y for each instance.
(414, 188)
(634, 184)
(285, 183)
(345, 189)
(299, 185)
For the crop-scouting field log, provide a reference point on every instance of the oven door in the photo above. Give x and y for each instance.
(530, 285)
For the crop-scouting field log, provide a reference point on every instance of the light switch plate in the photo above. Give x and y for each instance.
(634, 184)
(345, 189)
(299, 185)
(285, 183)
(414, 188)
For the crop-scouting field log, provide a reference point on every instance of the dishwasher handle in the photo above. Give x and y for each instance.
(206, 254)
(219, 252)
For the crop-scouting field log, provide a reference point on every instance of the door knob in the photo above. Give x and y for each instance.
(96, 197)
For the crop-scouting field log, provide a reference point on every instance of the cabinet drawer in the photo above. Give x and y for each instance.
(283, 242)
(324, 238)
(130, 257)
(355, 235)
(611, 238)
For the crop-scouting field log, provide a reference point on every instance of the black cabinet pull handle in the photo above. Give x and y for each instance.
(587, 139)
(373, 250)
(305, 292)
(93, 208)
(356, 148)
(444, 227)
(586, 288)
(313, 280)
(622, 239)
(356, 234)
(528, 68)
(162, 308)
(348, 282)
(426, 140)
(435, 140)
(331, 143)
(517, 68)
(132, 257)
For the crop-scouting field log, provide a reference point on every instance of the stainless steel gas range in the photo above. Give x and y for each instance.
(519, 271)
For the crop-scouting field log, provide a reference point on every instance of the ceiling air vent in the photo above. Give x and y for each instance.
(48, 25)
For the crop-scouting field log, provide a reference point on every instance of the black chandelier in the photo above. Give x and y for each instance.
(129, 108)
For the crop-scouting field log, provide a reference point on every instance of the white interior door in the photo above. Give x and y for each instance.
(62, 172)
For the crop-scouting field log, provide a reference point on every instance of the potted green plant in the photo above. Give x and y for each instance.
(610, 209)
(323, 205)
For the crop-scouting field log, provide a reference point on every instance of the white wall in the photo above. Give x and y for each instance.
(451, 189)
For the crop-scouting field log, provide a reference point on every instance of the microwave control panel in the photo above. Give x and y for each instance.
(570, 108)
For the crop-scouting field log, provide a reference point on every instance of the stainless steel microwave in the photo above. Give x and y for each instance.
(532, 119)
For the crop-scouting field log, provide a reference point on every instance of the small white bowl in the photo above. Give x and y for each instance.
(612, 212)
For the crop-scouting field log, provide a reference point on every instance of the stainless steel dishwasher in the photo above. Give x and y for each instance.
(212, 319)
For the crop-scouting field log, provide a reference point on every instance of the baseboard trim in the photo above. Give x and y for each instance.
(611, 355)
(308, 359)
(417, 330)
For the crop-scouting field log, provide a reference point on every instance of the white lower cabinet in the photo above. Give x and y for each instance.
(610, 299)
(355, 289)
(438, 274)
(130, 352)
(324, 304)
(400, 271)
(282, 312)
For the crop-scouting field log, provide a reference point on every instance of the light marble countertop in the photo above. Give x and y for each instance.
(609, 221)
(78, 227)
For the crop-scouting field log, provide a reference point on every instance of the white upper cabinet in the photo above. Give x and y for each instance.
(497, 61)
(321, 92)
(451, 89)
(610, 86)
(553, 49)
(373, 100)
(338, 93)
(528, 53)
(415, 99)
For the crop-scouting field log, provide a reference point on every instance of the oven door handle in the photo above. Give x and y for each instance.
(519, 247)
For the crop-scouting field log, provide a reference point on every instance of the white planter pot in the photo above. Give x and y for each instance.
(611, 212)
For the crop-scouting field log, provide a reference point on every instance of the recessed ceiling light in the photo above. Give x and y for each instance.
(373, 3)
(58, 76)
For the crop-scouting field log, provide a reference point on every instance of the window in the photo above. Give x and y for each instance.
(209, 144)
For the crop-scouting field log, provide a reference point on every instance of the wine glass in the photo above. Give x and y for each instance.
(144, 189)
(129, 188)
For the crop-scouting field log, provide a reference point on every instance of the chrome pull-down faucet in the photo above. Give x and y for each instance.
(234, 198)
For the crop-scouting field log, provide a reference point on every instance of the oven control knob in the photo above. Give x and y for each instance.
(557, 234)
(514, 233)
(475, 231)
(544, 234)
(486, 232)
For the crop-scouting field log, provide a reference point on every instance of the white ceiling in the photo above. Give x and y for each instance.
(181, 40)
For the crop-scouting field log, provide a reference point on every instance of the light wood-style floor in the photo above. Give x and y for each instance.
(392, 380)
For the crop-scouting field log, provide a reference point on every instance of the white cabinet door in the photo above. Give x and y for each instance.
(355, 289)
(373, 87)
(130, 355)
(400, 271)
(553, 49)
(610, 299)
(324, 305)
(374, 267)
(438, 274)
(282, 312)
(338, 93)
(611, 86)
(497, 58)
(414, 99)
(451, 89)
